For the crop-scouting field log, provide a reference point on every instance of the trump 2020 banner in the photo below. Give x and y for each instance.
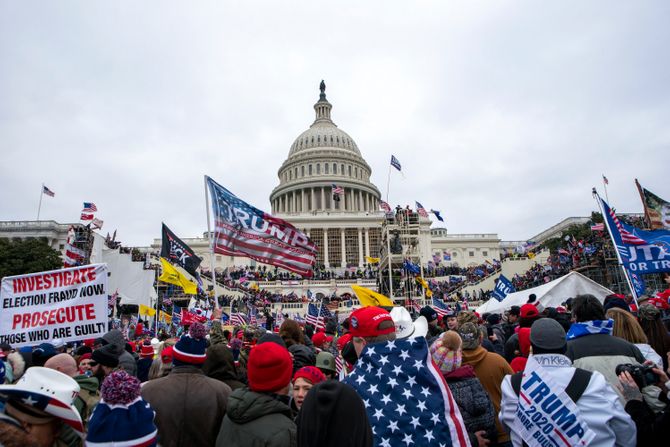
(546, 415)
(502, 288)
(243, 230)
(68, 304)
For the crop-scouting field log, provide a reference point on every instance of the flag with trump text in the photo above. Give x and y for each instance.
(243, 230)
(656, 210)
(406, 397)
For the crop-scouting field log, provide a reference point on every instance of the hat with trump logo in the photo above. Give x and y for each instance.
(370, 322)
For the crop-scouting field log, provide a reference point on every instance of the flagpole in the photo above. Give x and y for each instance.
(618, 255)
(39, 207)
(388, 184)
(211, 248)
(388, 254)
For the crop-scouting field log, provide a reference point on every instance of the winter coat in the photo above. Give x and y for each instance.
(143, 367)
(475, 405)
(302, 356)
(602, 353)
(220, 366)
(189, 406)
(599, 405)
(490, 369)
(88, 396)
(649, 354)
(257, 420)
(126, 360)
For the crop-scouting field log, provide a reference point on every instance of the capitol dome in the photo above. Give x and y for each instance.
(321, 158)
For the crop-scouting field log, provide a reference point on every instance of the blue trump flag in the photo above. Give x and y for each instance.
(502, 288)
(641, 251)
(406, 397)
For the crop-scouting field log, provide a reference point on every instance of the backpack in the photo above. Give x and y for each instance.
(576, 387)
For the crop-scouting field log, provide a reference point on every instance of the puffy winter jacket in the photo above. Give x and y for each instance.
(256, 420)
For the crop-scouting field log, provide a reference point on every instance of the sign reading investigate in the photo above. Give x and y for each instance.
(68, 304)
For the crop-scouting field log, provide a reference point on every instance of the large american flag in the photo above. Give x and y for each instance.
(406, 397)
(626, 236)
(440, 307)
(243, 230)
(385, 206)
(314, 317)
(421, 210)
(338, 190)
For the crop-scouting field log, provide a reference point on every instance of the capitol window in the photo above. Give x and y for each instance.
(471, 254)
(302, 171)
(318, 168)
(295, 173)
(325, 168)
(356, 172)
(334, 168)
(309, 170)
(342, 169)
(485, 253)
(349, 170)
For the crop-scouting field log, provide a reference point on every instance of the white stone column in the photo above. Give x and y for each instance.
(313, 198)
(326, 263)
(304, 200)
(323, 199)
(344, 248)
(360, 248)
(361, 207)
(367, 242)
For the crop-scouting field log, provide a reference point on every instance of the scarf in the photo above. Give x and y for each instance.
(590, 327)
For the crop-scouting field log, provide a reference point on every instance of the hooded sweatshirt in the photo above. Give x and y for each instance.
(490, 369)
(220, 366)
(333, 415)
(126, 359)
(257, 420)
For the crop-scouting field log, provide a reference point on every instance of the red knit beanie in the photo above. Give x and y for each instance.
(312, 374)
(146, 350)
(269, 367)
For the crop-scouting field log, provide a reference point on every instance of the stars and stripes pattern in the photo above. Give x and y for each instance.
(598, 227)
(421, 210)
(89, 207)
(626, 236)
(338, 190)
(238, 319)
(315, 316)
(395, 163)
(176, 315)
(243, 230)
(440, 307)
(47, 191)
(385, 206)
(406, 398)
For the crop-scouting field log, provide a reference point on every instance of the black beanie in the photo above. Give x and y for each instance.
(328, 407)
(108, 356)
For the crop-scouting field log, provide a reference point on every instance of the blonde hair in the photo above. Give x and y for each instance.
(626, 326)
(451, 340)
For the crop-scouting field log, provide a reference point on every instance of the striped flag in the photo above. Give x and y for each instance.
(317, 317)
(440, 307)
(626, 236)
(338, 190)
(243, 230)
(395, 163)
(421, 210)
(238, 319)
(96, 224)
(47, 191)
(85, 216)
(385, 206)
(252, 316)
(89, 207)
(339, 364)
(598, 227)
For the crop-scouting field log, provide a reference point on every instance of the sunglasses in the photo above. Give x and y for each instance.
(93, 363)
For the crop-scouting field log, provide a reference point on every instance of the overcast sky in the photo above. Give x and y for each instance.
(503, 114)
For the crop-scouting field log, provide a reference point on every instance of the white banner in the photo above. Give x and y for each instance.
(68, 304)
(546, 416)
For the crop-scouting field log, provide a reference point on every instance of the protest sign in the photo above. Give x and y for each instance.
(502, 288)
(546, 416)
(68, 304)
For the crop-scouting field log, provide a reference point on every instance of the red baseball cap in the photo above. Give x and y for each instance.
(343, 340)
(320, 338)
(529, 311)
(366, 320)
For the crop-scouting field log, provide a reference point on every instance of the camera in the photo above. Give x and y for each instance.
(642, 374)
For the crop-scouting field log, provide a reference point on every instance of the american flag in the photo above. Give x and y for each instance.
(89, 207)
(440, 307)
(238, 319)
(47, 191)
(338, 190)
(85, 216)
(395, 163)
(314, 317)
(252, 316)
(243, 230)
(385, 206)
(605, 181)
(111, 302)
(598, 227)
(626, 236)
(224, 317)
(96, 224)
(339, 364)
(421, 210)
(416, 306)
(406, 397)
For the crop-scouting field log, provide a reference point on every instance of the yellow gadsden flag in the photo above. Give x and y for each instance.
(371, 260)
(164, 317)
(172, 276)
(147, 311)
(369, 297)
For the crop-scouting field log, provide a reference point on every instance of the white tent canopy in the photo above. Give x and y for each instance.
(551, 294)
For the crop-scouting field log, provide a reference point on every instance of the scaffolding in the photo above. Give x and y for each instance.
(400, 243)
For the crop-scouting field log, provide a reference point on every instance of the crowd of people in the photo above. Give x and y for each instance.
(380, 377)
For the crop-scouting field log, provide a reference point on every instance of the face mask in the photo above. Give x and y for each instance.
(349, 353)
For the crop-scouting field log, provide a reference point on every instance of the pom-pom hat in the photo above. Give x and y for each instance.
(49, 391)
(146, 350)
(312, 374)
(191, 348)
(122, 418)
